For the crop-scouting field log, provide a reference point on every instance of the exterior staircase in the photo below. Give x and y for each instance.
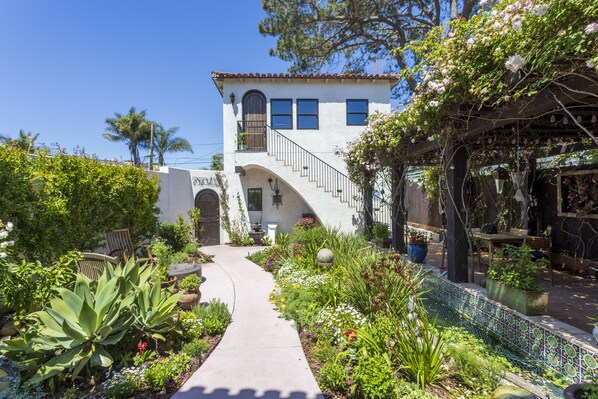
(315, 170)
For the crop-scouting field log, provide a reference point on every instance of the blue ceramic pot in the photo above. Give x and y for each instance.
(417, 253)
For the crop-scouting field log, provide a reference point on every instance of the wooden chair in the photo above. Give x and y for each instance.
(93, 264)
(120, 245)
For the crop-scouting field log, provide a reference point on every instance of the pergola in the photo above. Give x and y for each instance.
(561, 118)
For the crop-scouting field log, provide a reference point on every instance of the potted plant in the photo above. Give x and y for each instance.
(190, 288)
(581, 391)
(418, 246)
(513, 280)
(381, 235)
(543, 241)
(241, 140)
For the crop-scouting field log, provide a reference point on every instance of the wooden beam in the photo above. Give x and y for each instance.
(398, 219)
(457, 245)
(576, 89)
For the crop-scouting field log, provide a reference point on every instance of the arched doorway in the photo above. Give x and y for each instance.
(209, 222)
(254, 120)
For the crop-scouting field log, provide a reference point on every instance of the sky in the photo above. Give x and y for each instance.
(67, 65)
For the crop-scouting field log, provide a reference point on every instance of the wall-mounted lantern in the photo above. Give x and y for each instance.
(500, 175)
(232, 98)
(277, 196)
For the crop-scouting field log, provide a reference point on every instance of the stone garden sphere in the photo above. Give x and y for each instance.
(325, 256)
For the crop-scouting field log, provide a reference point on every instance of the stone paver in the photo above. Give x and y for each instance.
(260, 355)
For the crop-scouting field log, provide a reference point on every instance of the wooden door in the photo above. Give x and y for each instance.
(209, 222)
(254, 120)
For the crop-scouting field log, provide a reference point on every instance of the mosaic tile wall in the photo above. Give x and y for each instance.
(567, 358)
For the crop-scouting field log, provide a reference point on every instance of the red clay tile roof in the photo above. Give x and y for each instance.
(217, 77)
(221, 75)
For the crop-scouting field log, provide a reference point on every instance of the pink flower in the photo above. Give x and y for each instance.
(591, 28)
(351, 335)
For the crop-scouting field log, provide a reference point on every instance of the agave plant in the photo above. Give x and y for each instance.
(154, 310)
(78, 324)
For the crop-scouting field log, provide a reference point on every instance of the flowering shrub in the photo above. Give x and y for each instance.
(306, 223)
(167, 372)
(124, 383)
(418, 238)
(510, 50)
(290, 275)
(191, 325)
(333, 322)
(5, 229)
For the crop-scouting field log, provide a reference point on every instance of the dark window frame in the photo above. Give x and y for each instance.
(367, 107)
(259, 207)
(317, 114)
(272, 114)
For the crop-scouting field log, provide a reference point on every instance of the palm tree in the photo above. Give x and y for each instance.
(25, 141)
(217, 162)
(164, 141)
(131, 128)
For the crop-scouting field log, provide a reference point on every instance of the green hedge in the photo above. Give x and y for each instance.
(63, 202)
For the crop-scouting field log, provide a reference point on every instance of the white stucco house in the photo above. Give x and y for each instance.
(279, 136)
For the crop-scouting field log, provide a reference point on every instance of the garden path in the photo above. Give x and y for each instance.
(260, 355)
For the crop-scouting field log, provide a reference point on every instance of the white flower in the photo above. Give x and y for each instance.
(485, 40)
(3, 234)
(541, 9)
(6, 244)
(434, 103)
(590, 64)
(516, 23)
(515, 63)
(497, 26)
(470, 43)
(9, 226)
(483, 3)
(562, 32)
(2, 255)
(591, 28)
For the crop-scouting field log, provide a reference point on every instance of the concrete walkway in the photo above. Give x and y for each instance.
(260, 355)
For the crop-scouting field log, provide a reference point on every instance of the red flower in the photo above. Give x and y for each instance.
(141, 347)
(350, 334)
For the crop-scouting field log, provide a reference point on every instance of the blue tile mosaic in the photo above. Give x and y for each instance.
(548, 348)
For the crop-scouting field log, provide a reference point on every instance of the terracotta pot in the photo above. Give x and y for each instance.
(168, 283)
(190, 299)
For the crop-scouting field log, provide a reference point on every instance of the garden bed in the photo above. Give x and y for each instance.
(364, 326)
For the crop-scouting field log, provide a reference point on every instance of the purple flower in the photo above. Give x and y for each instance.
(333, 329)
(170, 382)
(591, 28)
(182, 376)
(146, 364)
(268, 265)
(348, 368)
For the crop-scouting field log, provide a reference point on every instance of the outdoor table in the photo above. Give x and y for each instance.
(490, 240)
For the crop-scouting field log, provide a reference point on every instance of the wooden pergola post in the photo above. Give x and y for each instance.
(456, 235)
(398, 208)
(368, 209)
